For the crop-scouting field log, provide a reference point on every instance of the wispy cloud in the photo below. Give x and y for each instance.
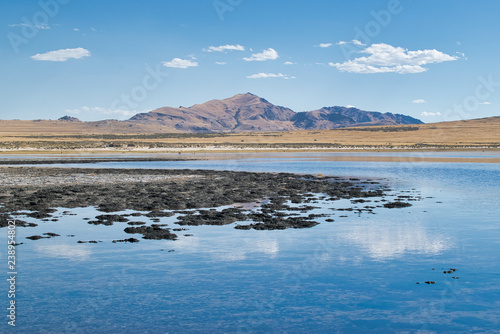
(227, 47)
(461, 55)
(324, 45)
(386, 58)
(220, 62)
(270, 75)
(354, 41)
(425, 113)
(101, 111)
(43, 26)
(485, 103)
(269, 54)
(62, 54)
(180, 63)
(288, 63)
(419, 101)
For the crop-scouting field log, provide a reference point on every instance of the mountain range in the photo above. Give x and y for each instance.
(249, 112)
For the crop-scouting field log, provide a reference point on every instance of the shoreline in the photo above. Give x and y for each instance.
(107, 157)
(249, 149)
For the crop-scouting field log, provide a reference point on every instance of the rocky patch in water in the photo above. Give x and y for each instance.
(131, 240)
(285, 197)
(396, 204)
(108, 219)
(152, 232)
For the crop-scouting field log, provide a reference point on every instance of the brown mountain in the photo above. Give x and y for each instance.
(339, 117)
(240, 113)
(248, 112)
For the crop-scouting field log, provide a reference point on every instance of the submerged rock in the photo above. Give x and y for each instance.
(152, 232)
(392, 205)
(132, 240)
(37, 237)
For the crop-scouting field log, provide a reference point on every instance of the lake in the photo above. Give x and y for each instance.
(357, 274)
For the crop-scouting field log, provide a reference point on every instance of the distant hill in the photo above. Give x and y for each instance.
(250, 113)
(68, 119)
(339, 117)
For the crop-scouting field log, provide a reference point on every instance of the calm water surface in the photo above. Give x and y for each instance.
(354, 275)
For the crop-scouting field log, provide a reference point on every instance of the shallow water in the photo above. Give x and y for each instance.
(356, 274)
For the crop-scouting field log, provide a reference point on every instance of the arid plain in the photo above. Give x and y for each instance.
(110, 136)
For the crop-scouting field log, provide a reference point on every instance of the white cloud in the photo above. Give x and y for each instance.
(288, 63)
(354, 41)
(386, 58)
(62, 54)
(325, 45)
(76, 29)
(102, 111)
(485, 103)
(418, 101)
(220, 62)
(461, 55)
(226, 47)
(350, 106)
(425, 113)
(43, 26)
(269, 54)
(180, 63)
(270, 75)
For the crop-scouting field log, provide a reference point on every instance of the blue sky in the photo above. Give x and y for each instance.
(434, 60)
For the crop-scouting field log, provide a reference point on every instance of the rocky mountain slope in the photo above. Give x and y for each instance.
(248, 112)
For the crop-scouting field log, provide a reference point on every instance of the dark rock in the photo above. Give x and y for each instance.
(392, 205)
(37, 237)
(152, 232)
(132, 240)
(136, 223)
(159, 214)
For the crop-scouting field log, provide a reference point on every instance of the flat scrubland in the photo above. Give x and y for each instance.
(113, 136)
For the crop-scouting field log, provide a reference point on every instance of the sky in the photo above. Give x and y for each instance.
(433, 60)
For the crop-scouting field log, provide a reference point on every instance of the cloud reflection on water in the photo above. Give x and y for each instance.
(71, 252)
(386, 240)
(232, 249)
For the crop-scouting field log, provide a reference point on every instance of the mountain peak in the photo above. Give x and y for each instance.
(249, 112)
(245, 98)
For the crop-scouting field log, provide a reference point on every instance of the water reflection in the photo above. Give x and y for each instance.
(238, 250)
(66, 251)
(388, 240)
(232, 249)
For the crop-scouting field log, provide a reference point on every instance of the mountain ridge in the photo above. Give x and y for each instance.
(248, 113)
